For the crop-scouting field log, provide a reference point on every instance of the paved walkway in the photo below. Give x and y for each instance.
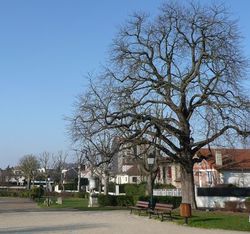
(34, 220)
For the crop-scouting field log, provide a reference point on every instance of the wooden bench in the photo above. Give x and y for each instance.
(163, 210)
(140, 206)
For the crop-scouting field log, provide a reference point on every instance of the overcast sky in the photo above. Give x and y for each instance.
(46, 49)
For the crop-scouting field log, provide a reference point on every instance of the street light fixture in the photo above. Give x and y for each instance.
(151, 162)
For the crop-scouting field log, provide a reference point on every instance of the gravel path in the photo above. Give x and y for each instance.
(106, 222)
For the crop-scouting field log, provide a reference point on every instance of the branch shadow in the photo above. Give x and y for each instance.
(42, 229)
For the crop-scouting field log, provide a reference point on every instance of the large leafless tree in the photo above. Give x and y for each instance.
(186, 62)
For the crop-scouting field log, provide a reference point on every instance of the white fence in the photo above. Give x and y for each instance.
(167, 192)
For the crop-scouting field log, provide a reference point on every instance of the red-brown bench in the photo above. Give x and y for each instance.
(140, 206)
(163, 210)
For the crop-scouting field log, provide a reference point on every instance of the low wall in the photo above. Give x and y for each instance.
(215, 202)
(215, 197)
(167, 192)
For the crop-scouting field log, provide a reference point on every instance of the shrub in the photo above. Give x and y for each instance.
(36, 192)
(124, 200)
(106, 200)
(135, 189)
(109, 200)
(14, 193)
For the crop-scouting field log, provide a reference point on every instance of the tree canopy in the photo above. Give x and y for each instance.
(174, 82)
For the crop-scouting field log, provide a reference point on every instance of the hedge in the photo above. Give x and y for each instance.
(109, 200)
(176, 201)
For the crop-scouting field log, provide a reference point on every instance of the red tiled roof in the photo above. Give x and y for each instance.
(134, 171)
(232, 159)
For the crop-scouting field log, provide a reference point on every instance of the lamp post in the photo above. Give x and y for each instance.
(151, 161)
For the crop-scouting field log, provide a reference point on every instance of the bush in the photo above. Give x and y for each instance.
(36, 192)
(125, 200)
(176, 201)
(109, 200)
(106, 200)
(14, 193)
(135, 189)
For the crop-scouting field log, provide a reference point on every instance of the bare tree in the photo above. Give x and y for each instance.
(29, 165)
(45, 162)
(97, 147)
(59, 163)
(186, 62)
(80, 159)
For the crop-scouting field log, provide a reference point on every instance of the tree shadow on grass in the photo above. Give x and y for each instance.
(212, 219)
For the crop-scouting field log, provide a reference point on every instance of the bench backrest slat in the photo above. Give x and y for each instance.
(161, 206)
(142, 204)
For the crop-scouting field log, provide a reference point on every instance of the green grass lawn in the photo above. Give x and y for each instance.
(217, 220)
(73, 203)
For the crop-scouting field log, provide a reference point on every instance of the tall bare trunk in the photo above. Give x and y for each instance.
(187, 187)
(149, 189)
(106, 180)
(100, 184)
(79, 179)
(28, 183)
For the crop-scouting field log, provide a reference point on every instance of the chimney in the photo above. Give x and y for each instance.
(218, 158)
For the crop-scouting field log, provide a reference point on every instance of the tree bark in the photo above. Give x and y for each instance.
(28, 183)
(106, 180)
(187, 187)
(100, 184)
(149, 190)
(79, 179)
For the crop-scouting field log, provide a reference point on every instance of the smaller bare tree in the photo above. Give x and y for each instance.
(59, 163)
(29, 165)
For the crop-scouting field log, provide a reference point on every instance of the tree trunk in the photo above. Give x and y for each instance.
(149, 190)
(106, 181)
(79, 179)
(187, 187)
(100, 184)
(28, 183)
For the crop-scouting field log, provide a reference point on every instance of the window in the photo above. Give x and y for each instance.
(134, 179)
(169, 172)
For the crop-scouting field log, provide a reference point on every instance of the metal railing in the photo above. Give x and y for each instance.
(167, 192)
